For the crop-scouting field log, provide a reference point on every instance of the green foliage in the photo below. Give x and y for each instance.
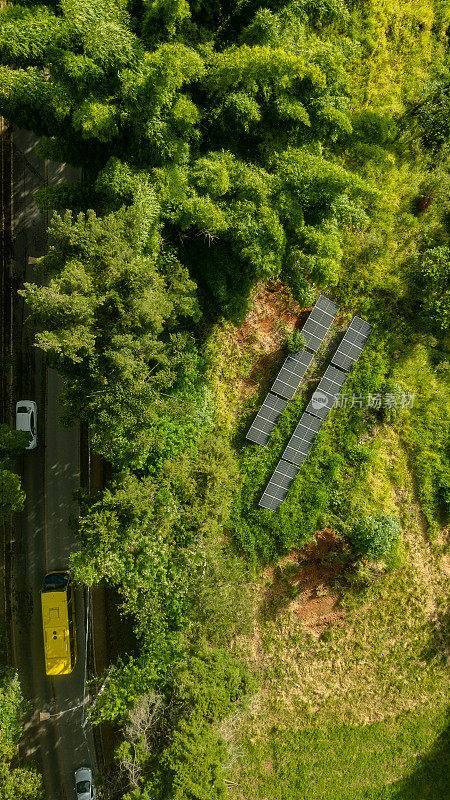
(431, 275)
(162, 88)
(170, 742)
(12, 497)
(294, 340)
(126, 682)
(105, 321)
(18, 783)
(433, 111)
(12, 707)
(210, 681)
(141, 535)
(96, 121)
(194, 761)
(375, 537)
(26, 34)
(128, 541)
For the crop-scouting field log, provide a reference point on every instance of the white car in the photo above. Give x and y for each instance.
(85, 784)
(26, 420)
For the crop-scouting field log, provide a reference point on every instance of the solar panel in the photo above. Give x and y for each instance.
(302, 439)
(319, 322)
(291, 373)
(328, 389)
(278, 486)
(266, 419)
(352, 344)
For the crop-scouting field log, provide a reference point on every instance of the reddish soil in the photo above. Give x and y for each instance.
(273, 311)
(309, 592)
(272, 307)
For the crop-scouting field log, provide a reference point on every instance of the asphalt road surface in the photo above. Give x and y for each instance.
(42, 538)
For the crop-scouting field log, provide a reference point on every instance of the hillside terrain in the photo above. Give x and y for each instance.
(237, 160)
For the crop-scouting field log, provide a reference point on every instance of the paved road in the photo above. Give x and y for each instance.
(42, 537)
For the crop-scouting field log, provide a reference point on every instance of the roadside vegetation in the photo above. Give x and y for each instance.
(236, 159)
(16, 782)
(12, 496)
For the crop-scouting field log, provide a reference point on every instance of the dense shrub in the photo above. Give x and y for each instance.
(376, 536)
(12, 497)
(431, 275)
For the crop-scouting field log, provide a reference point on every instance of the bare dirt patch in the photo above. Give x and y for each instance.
(272, 313)
(272, 308)
(305, 583)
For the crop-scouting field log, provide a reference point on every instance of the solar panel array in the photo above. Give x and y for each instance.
(266, 419)
(278, 486)
(302, 439)
(316, 412)
(319, 322)
(293, 370)
(352, 344)
(291, 374)
(326, 393)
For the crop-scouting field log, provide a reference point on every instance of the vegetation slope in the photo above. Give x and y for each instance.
(229, 149)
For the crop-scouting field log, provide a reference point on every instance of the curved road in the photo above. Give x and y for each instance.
(42, 539)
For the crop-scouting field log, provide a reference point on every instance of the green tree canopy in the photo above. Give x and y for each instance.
(12, 444)
(19, 783)
(107, 322)
(219, 109)
(431, 276)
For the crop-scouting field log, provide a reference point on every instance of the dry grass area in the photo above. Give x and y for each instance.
(271, 310)
(354, 682)
(327, 653)
(305, 584)
(245, 359)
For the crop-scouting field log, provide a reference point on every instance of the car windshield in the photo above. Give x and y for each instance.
(55, 581)
(83, 787)
(23, 410)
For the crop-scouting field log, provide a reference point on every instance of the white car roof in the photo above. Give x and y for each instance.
(83, 774)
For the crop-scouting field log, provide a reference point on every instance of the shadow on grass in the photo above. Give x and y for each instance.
(430, 779)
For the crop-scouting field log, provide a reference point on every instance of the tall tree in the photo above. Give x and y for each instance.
(205, 99)
(12, 496)
(107, 322)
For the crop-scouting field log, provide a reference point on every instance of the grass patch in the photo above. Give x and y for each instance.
(352, 762)
(426, 430)
(360, 711)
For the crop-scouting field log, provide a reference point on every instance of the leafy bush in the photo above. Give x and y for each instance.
(12, 497)
(194, 761)
(21, 783)
(431, 275)
(375, 537)
(294, 340)
(210, 681)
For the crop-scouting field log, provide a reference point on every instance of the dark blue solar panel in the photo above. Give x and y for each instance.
(278, 486)
(319, 322)
(302, 439)
(291, 374)
(266, 419)
(326, 393)
(352, 344)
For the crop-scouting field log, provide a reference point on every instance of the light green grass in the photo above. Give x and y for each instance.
(404, 758)
(358, 713)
